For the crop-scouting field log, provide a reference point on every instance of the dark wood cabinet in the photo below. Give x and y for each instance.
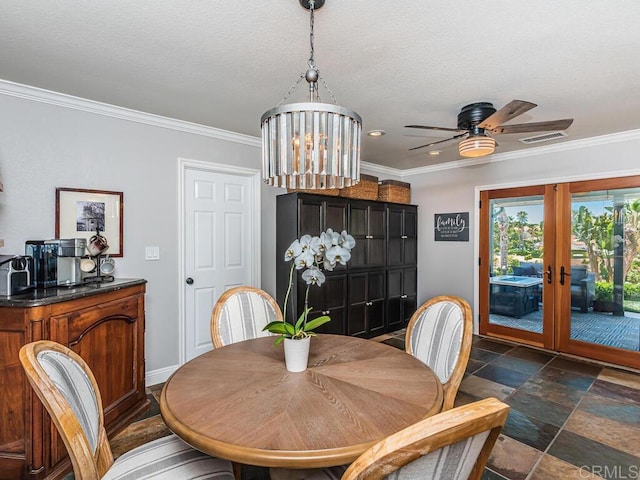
(377, 291)
(367, 224)
(401, 296)
(402, 242)
(104, 324)
(366, 304)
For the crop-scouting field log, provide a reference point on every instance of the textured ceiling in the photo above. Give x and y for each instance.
(223, 63)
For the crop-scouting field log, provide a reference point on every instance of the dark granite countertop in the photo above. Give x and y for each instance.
(39, 297)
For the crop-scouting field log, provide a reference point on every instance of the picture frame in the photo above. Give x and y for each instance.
(80, 211)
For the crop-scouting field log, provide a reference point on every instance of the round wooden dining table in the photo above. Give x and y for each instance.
(240, 403)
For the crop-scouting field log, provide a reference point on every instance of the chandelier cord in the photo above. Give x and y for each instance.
(315, 91)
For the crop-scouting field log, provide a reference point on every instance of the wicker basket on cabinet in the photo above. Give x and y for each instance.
(366, 189)
(394, 191)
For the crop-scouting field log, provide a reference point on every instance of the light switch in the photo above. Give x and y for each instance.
(152, 253)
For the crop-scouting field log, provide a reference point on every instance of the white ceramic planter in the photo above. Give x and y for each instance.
(296, 354)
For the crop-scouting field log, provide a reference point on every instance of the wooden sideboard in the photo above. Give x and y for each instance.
(104, 324)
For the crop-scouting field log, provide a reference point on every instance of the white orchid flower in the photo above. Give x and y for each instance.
(316, 245)
(325, 240)
(337, 254)
(293, 251)
(305, 242)
(335, 237)
(346, 240)
(313, 276)
(305, 260)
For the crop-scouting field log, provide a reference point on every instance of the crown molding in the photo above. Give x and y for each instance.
(68, 101)
(529, 152)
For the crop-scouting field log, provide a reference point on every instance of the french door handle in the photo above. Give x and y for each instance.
(562, 275)
(549, 274)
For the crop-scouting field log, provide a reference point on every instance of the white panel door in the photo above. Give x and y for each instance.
(218, 246)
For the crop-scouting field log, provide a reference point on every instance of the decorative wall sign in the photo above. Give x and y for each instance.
(451, 227)
(79, 212)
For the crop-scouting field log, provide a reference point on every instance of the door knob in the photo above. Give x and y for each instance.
(189, 281)
(562, 275)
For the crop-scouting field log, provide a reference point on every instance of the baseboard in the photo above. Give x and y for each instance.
(161, 375)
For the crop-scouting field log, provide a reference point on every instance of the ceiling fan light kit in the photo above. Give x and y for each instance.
(311, 145)
(477, 120)
(477, 146)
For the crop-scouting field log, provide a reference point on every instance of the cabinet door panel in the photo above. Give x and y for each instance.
(409, 281)
(377, 224)
(357, 288)
(310, 217)
(394, 313)
(335, 291)
(358, 221)
(376, 286)
(357, 323)
(410, 251)
(394, 283)
(335, 216)
(375, 317)
(411, 223)
(376, 252)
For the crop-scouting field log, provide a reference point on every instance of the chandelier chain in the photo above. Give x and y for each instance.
(312, 63)
(291, 89)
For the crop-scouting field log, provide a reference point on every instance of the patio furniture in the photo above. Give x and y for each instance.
(514, 295)
(583, 288)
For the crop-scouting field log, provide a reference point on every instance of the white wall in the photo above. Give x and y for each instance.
(449, 268)
(44, 146)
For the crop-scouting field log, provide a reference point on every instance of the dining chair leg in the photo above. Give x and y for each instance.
(237, 470)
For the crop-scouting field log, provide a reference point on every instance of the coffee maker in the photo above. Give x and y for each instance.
(56, 262)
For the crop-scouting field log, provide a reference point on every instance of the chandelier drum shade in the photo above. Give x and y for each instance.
(311, 145)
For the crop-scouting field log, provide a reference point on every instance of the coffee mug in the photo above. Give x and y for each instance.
(97, 245)
(88, 265)
(107, 265)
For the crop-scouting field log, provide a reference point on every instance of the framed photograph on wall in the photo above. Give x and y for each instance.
(80, 212)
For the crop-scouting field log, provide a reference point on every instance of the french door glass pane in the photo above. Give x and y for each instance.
(516, 270)
(605, 268)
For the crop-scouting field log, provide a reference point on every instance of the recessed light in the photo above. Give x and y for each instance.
(376, 133)
(434, 153)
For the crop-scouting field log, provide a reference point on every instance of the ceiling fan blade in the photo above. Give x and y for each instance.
(425, 127)
(506, 113)
(535, 126)
(439, 141)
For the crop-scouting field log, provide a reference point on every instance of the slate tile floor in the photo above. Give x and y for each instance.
(569, 419)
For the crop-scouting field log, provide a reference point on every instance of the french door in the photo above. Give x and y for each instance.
(560, 267)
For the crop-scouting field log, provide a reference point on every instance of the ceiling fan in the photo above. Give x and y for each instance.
(477, 120)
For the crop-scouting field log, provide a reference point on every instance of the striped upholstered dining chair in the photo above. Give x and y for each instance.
(240, 314)
(439, 334)
(68, 390)
(452, 445)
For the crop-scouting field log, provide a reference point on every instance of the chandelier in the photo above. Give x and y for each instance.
(311, 145)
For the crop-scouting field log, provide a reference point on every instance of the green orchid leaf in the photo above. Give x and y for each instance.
(278, 327)
(316, 322)
(278, 341)
(300, 321)
(290, 329)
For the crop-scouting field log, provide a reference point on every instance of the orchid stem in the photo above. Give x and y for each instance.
(286, 297)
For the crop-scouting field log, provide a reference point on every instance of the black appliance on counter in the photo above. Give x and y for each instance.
(14, 274)
(56, 262)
